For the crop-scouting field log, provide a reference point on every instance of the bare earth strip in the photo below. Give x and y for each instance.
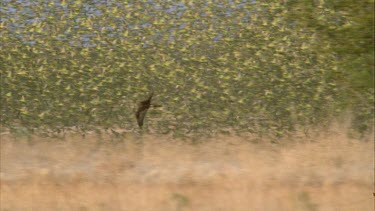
(227, 173)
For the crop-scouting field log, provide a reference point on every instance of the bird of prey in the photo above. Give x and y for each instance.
(143, 106)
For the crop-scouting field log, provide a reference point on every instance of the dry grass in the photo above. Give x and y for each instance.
(228, 173)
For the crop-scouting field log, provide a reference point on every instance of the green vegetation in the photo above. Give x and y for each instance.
(264, 68)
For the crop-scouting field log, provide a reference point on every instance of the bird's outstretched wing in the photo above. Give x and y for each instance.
(141, 116)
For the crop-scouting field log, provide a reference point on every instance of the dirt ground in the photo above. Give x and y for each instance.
(156, 173)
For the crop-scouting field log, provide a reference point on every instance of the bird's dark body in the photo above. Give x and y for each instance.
(143, 106)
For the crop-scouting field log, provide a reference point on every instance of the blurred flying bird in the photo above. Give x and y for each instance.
(143, 106)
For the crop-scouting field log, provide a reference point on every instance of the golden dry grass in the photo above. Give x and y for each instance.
(227, 173)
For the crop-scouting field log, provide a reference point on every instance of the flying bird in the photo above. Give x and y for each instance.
(143, 106)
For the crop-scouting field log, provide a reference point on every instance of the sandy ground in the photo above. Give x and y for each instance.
(156, 173)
